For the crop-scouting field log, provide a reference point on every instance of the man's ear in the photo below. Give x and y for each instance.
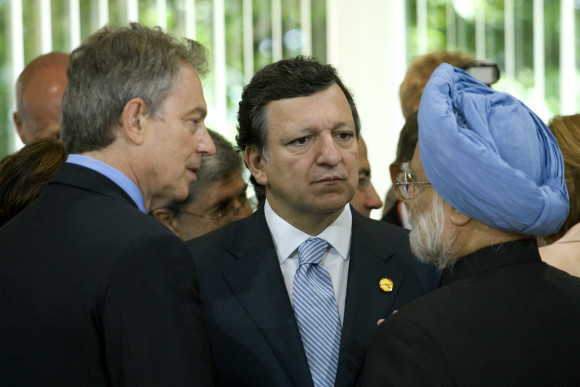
(457, 218)
(133, 117)
(255, 163)
(166, 217)
(18, 123)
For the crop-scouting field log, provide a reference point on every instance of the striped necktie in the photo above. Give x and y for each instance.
(317, 312)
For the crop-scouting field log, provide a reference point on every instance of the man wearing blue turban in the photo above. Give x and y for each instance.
(486, 177)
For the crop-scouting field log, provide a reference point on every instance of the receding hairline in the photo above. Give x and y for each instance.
(47, 62)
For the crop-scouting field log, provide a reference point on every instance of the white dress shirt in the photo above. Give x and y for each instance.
(287, 238)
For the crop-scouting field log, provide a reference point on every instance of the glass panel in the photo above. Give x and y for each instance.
(459, 14)
(319, 30)
(234, 62)
(60, 26)
(291, 31)
(262, 34)
(118, 13)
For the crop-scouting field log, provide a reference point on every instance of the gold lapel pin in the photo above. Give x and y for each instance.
(386, 285)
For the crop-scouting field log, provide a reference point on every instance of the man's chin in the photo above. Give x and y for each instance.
(330, 203)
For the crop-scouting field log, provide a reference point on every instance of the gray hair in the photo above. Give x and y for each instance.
(222, 164)
(111, 67)
(428, 238)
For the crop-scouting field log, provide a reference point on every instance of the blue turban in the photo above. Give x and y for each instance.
(489, 156)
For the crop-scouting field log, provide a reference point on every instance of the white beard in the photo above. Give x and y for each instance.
(429, 239)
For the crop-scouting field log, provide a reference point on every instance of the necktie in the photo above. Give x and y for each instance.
(316, 312)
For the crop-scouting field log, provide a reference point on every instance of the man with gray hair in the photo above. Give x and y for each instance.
(93, 291)
(486, 178)
(215, 199)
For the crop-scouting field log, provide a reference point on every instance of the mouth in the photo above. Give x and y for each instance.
(329, 180)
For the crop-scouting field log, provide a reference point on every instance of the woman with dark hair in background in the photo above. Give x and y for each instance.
(563, 250)
(25, 174)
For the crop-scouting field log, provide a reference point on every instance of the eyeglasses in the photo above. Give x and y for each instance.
(217, 218)
(223, 214)
(406, 184)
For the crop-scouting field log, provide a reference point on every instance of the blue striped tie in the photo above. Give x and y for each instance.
(316, 312)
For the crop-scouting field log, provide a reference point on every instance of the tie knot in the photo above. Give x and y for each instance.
(312, 250)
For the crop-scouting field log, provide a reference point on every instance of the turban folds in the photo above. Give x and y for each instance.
(489, 156)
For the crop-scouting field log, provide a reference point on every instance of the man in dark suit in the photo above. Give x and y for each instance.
(93, 291)
(501, 316)
(298, 126)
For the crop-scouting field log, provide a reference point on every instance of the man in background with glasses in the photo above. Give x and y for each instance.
(486, 178)
(215, 199)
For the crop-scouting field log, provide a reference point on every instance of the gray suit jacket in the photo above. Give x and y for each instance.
(253, 333)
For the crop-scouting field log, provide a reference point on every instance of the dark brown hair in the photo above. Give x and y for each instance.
(566, 129)
(25, 174)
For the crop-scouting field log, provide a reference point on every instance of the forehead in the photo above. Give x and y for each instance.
(187, 91)
(327, 108)
(227, 187)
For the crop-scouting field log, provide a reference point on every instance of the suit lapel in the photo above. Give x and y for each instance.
(256, 280)
(365, 302)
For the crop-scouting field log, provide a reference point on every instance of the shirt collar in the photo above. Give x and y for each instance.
(112, 173)
(287, 238)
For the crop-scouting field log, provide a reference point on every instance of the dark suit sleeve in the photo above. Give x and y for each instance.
(153, 321)
(403, 354)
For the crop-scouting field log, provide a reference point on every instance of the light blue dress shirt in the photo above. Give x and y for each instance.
(115, 175)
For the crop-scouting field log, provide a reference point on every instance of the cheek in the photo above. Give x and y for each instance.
(358, 198)
(350, 159)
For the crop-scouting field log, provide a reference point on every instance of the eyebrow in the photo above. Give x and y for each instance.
(197, 110)
(310, 130)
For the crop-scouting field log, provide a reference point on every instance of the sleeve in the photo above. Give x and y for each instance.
(403, 354)
(153, 321)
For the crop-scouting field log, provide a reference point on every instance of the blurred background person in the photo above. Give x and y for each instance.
(420, 71)
(365, 197)
(39, 91)
(25, 174)
(563, 249)
(398, 213)
(215, 199)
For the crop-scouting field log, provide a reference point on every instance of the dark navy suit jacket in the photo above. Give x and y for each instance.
(253, 333)
(502, 317)
(95, 293)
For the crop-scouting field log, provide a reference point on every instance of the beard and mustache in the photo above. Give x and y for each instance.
(430, 241)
